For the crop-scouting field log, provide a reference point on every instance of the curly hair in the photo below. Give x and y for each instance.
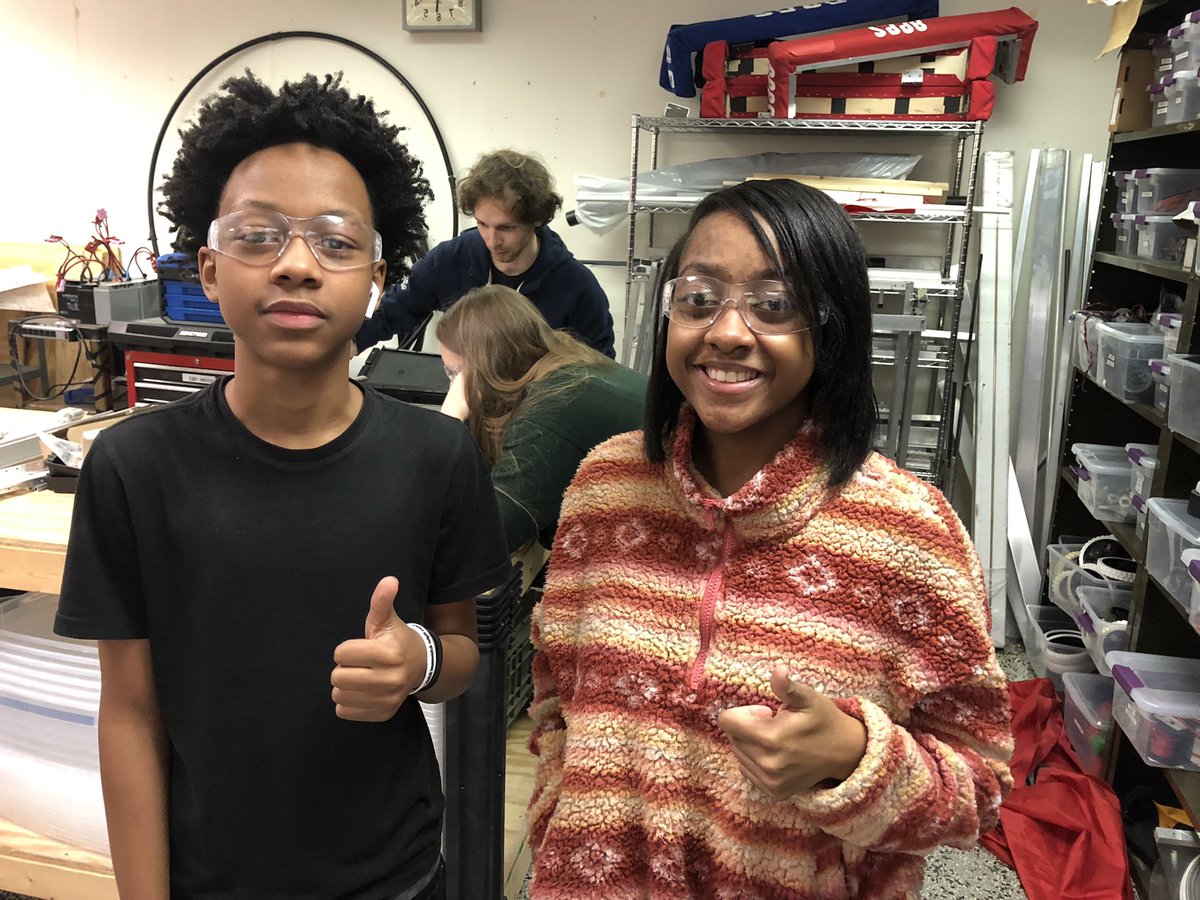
(246, 116)
(511, 177)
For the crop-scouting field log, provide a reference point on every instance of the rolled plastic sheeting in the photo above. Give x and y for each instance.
(602, 203)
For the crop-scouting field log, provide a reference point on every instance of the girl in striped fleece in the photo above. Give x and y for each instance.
(763, 666)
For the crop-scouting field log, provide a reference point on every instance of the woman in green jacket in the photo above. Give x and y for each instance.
(537, 400)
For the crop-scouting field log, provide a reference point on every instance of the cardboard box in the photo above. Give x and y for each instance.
(1131, 102)
(23, 289)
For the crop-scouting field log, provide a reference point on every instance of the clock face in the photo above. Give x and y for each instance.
(442, 15)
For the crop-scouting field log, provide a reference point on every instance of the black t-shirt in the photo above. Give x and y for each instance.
(245, 565)
(512, 281)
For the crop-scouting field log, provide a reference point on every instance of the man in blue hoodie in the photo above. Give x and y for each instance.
(511, 197)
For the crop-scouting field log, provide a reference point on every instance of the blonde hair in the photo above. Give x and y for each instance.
(507, 346)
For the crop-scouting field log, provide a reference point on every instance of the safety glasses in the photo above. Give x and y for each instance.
(260, 237)
(767, 307)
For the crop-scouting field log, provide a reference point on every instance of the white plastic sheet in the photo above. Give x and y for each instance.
(602, 203)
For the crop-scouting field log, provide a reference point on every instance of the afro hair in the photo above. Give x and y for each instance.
(246, 116)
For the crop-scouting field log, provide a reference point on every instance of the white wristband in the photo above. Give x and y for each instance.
(430, 656)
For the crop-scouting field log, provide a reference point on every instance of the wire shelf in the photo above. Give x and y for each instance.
(684, 126)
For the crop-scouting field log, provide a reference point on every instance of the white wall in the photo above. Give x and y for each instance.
(87, 84)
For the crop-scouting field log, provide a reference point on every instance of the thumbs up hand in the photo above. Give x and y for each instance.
(793, 749)
(375, 674)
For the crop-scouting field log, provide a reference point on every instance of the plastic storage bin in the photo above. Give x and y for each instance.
(1161, 238)
(1126, 198)
(1139, 506)
(1123, 351)
(1124, 235)
(1191, 562)
(1104, 621)
(1143, 460)
(1041, 620)
(1168, 323)
(1164, 191)
(1183, 414)
(1182, 91)
(1184, 39)
(1170, 531)
(1164, 58)
(1156, 701)
(1159, 105)
(1066, 576)
(1055, 645)
(1103, 483)
(1086, 355)
(1177, 871)
(1087, 717)
(1160, 371)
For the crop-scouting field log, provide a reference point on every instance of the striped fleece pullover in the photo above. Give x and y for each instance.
(666, 604)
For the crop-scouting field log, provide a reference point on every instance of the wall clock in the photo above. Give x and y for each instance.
(443, 15)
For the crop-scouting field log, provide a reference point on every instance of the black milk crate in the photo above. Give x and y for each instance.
(519, 670)
(476, 740)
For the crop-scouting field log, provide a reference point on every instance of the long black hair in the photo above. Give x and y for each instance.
(247, 116)
(822, 258)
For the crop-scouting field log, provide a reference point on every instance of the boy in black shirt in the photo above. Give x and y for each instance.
(231, 549)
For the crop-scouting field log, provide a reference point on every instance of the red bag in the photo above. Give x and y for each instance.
(1059, 828)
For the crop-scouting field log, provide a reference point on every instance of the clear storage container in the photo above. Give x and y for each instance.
(1160, 371)
(1161, 237)
(1086, 356)
(1159, 106)
(1087, 717)
(1056, 645)
(1104, 621)
(1041, 620)
(1168, 323)
(1170, 531)
(1164, 58)
(1124, 235)
(1191, 560)
(1182, 91)
(1185, 45)
(1139, 506)
(1103, 484)
(1156, 701)
(1177, 871)
(1123, 351)
(1163, 191)
(1065, 577)
(1143, 460)
(1126, 197)
(1183, 414)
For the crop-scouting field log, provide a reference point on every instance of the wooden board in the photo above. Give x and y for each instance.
(520, 766)
(40, 867)
(33, 540)
(874, 185)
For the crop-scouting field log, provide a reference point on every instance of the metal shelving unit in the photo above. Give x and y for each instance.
(919, 374)
(1158, 623)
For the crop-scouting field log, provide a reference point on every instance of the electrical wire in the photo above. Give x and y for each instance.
(81, 352)
(287, 35)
